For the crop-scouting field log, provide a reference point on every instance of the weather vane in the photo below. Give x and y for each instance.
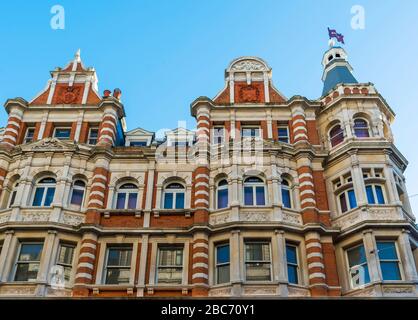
(333, 34)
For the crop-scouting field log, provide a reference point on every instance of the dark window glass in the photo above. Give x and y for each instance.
(180, 201)
(359, 269)
(283, 134)
(257, 261)
(361, 128)
(389, 263)
(248, 196)
(170, 265)
(222, 263)
(370, 195)
(352, 199)
(222, 198)
(138, 143)
(379, 194)
(62, 133)
(260, 197)
(292, 264)
(168, 201)
(27, 264)
(336, 135)
(118, 265)
(93, 135)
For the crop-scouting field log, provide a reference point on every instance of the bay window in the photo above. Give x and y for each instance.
(358, 267)
(292, 263)
(336, 135)
(361, 128)
(375, 194)
(286, 194)
(222, 194)
(389, 260)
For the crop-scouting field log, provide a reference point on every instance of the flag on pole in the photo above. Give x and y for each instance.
(334, 34)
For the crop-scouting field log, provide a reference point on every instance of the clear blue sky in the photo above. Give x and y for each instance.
(164, 54)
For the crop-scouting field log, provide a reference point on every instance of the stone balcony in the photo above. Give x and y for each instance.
(255, 215)
(39, 215)
(375, 214)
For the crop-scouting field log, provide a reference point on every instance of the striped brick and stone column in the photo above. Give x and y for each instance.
(316, 266)
(107, 128)
(86, 263)
(13, 128)
(200, 258)
(299, 129)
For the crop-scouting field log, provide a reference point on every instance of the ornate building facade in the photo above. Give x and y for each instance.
(268, 197)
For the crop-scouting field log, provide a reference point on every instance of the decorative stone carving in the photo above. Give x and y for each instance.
(72, 219)
(4, 218)
(292, 218)
(219, 218)
(221, 292)
(298, 292)
(248, 65)
(49, 143)
(35, 216)
(17, 290)
(255, 216)
(258, 291)
(398, 290)
(249, 93)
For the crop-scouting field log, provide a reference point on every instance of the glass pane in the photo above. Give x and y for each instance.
(387, 250)
(343, 202)
(62, 133)
(37, 200)
(248, 196)
(361, 133)
(379, 194)
(222, 254)
(27, 272)
(168, 201)
(223, 274)
(171, 257)
(291, 254)
(356, 256)
(257, 252)
(49, 196)
(77, 197)
(180, 201)
(30, 252)
(390, 271)
(336, 135)
(170, 275)
(13, 198)
(66, 254)
(370, 195)
(222, 198)
(120, 201)
(119, 257)
(359, 275)
(352, 199)
(286, 198)
(292, 273)
(117, 276)
(258, 271)
(132, 200)
(259, 194)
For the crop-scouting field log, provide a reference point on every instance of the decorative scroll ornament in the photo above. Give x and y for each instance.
(248, 65)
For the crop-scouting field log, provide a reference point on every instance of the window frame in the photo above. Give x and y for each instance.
(254, 186)
(46, 187)
(251, 127)
(75, 187)
(398, 260)
(158, 266)
(127, 193)
(12, 197)
(214, 136)
(254, 241)
(220, 188)
(127, 247)
(289, 189)
(89, 138)
(361, 128)
(287, 137)
(346, 193)
(375, 197)
(62, 128)
(65, 264)
(17, 261)
(294, 265)
(332, 138)
(25, 139)
(218, 265)
(175, 192)
(350, 278)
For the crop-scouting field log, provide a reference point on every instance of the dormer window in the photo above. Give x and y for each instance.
(138, 143)
(62, 133)
(30, 134)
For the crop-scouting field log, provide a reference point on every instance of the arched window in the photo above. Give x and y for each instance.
(77, 193)
(336, 135)
(375, 194)
(286, 194)
(44, 192)
(222, 194)
(361, 128)
(254, 192)
(127, 196)
(13, 194)
(174, 196)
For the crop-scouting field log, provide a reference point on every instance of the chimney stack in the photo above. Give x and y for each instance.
(117, 93)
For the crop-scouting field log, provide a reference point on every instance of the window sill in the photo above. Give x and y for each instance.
(185, 212)
(115, 212)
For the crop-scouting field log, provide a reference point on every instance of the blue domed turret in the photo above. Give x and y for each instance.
(336, 69)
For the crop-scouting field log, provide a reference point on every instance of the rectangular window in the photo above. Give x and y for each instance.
(118, 265)
(138, 143)
(218, 135)
(29, 136)
(170, 265)
(375, 194)
(62, 133)
(179, 200)
(292, 263)
(358, 267)
(348, 200)
(28, 260)
(93, 135)
(283, 133)
(181, 143)
(257, 261)
(222, 198)
(248, 196)
(168, 200)
(389, 261)
(65, 259)
(250, 132)
(222, 263)
(41, 200)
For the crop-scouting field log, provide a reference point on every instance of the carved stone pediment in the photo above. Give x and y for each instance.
(49, 144)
